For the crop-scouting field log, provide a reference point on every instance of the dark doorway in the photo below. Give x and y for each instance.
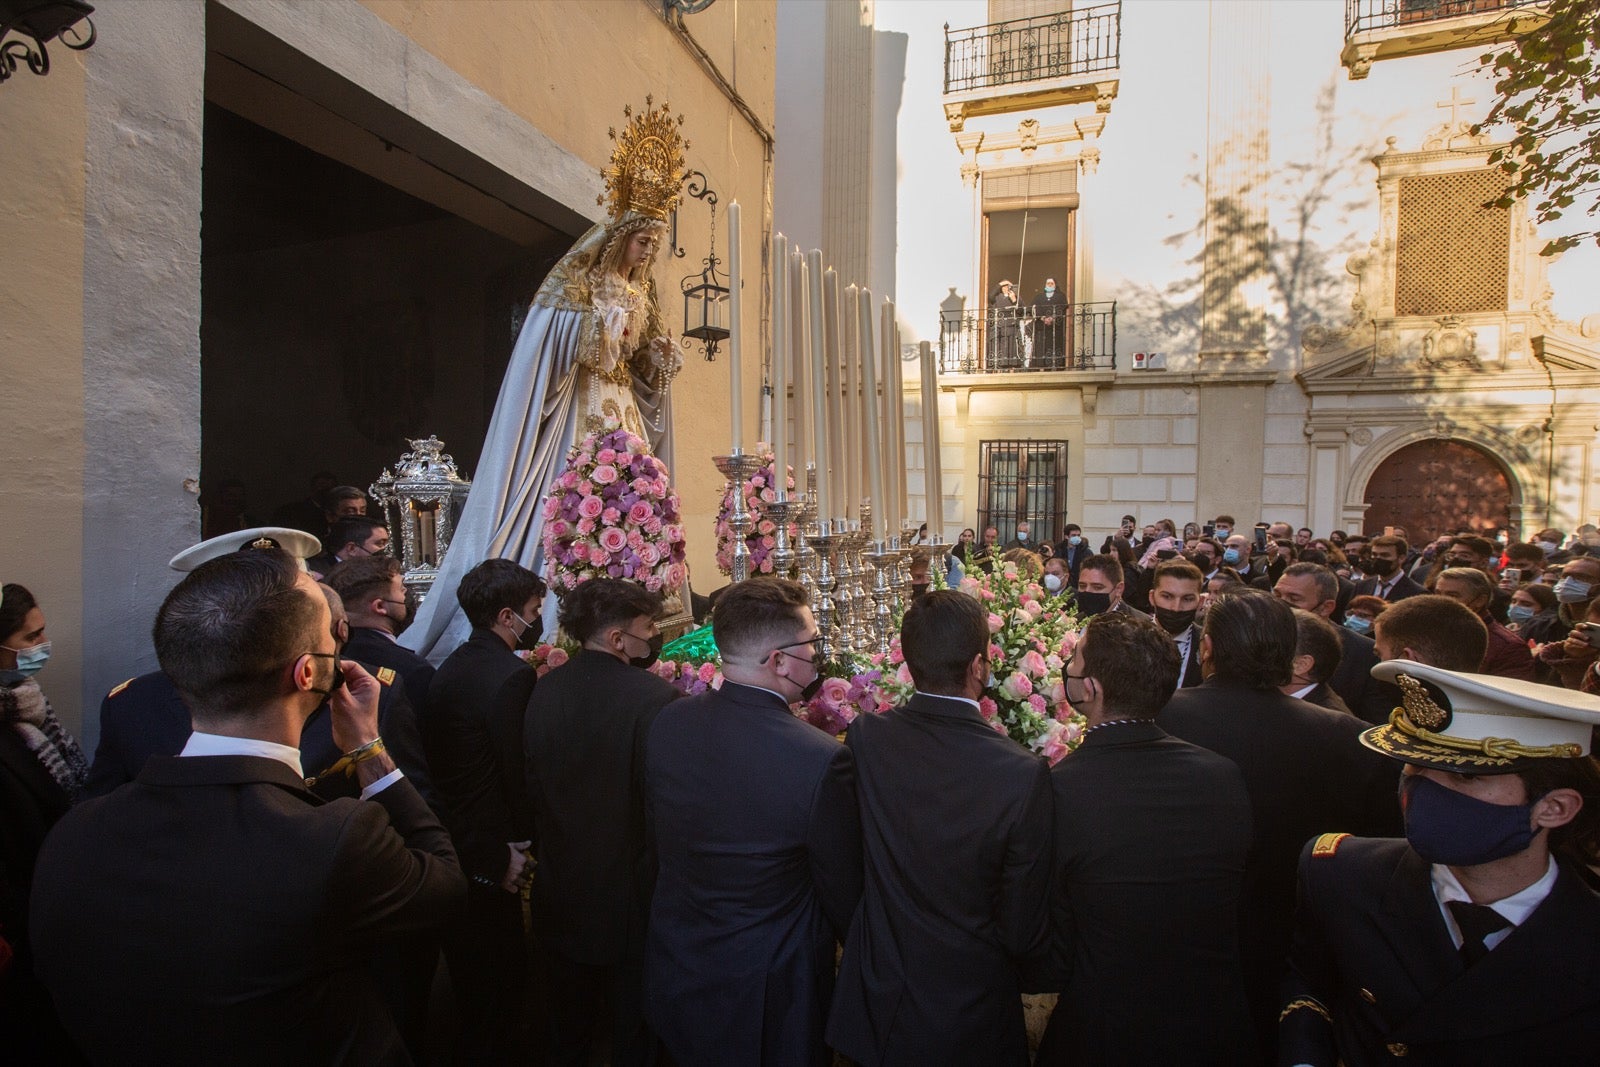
(1437, 487)
(340, 317)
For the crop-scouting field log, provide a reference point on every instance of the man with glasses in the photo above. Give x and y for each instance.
(1151, 837)
(583, 739)
(758, 845)
(956, 821)
(355, 537)
(472, 730)
(373, 589)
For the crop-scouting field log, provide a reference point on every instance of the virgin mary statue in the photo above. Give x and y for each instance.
(593, 348)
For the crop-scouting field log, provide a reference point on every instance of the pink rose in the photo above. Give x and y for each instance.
(987, 708)
(552, 507)
(648, 555)
(605, 474)
(995, 623)
(675, 575)
(613, 539)
(834, 692)
(707, 672)
(592, 507)
(606, 455)
(1035, 665)
(560, 528)
(585, 527)
(1037, 703)
(1016, 687)
(640, 513)
(599, 556)
(557, 656)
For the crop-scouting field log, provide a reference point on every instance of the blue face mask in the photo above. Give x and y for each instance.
(1572, 591)
(1231, 557)
(31, 660)
(1444, 826)
(1074, 540)
(1519, 613)
(1359, 624)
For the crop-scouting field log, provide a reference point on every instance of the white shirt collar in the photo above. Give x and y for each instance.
(1300, 694)
(951, 696)
(203, 744)
(1515, 909)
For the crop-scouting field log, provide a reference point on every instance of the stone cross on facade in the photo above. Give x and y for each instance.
(1455, 104)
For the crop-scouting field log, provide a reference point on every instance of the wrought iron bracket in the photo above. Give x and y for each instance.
(36, 22)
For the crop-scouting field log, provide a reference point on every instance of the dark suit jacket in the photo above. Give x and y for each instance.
(1307, 774)
(583, 737)
(1363, 694)
(472, 732)
(1151, 839)
(1191, 675)
(376, 648)
(1324, 697)
(955, 825)
(31, 802)
(1371, 946)
(1405, 587)
(759, 846)
(217, 909)
(147, 717)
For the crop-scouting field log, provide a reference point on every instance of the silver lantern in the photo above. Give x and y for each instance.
(421, 499)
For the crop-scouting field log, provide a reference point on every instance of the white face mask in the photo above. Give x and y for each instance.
(1052, 582)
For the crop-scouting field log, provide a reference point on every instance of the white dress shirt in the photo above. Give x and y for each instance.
(1515, 909)
(204, 744)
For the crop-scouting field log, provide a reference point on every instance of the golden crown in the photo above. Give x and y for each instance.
(647, 168)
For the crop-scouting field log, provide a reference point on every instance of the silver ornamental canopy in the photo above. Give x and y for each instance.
(422, 498)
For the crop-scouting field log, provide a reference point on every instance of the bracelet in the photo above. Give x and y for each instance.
(347, 762)
(1304, 1002)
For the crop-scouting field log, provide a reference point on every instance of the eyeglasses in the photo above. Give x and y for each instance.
(812, 641)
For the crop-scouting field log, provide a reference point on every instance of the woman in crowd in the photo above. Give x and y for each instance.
(1530, 604)
(1362, 612)
(42, 770)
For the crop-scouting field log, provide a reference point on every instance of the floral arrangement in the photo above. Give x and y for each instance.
(760, 489)
(547, 656)
(1032, 638)
(612, 514)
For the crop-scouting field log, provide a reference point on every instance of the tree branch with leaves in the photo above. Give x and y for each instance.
(1548, 92)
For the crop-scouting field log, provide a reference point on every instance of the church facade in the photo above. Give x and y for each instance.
(1290, 294)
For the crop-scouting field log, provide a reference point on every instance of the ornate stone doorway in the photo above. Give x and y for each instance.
(1436, 487)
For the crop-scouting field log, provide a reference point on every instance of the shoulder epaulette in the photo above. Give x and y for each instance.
(1327, 845)
(118, 688)
(385, 675)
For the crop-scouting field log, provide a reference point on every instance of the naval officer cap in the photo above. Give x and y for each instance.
(1480, 724)
(297, 543)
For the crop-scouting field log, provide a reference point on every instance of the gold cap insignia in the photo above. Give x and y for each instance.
(1420, 706)
(646, 171)
(118, 688)
(385, 675)
(262, 543)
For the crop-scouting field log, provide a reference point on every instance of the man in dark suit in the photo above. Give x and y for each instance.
(955, 822)
(1316, 657)
(1385, 579)
(759, 847)
(1100, 588)
(1175, 599)
(1151, 839)
(1475, 940)
(244, 910)
(352, 537)
(583, 737)
(1073, 549)
(373, 589)
(472, 731)
(1303, 767)
(1313, 588)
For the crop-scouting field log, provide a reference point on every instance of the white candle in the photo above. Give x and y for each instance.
(933, 481)
(816, 356)
(780, 366)
(735, 379)
(850, 362)
(800, 370)
(897, 412)
(889, 372)
(837, 458)
(873, 430)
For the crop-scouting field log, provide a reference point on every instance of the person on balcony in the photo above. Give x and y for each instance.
(1050, 324)
(1005, 349)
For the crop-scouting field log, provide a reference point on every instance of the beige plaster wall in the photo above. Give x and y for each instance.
(42, 122)
(568, 67)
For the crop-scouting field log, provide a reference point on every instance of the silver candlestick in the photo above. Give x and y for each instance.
(884, 560)
(824, 543)
(782, 512)
(803, 520)
(738, 468)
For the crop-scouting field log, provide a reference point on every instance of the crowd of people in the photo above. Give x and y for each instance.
(1307, 761)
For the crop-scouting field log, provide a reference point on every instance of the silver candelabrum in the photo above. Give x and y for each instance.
(824, 542)
(737, 468)
(804, 518)
(782, 513)
(885, 560)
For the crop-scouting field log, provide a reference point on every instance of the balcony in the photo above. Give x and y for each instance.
(1390, 29)
(1037, 62)
(1014, 341)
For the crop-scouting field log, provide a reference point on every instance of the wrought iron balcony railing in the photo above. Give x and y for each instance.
(1066, 45)
(1018, 340)
(1364, 16)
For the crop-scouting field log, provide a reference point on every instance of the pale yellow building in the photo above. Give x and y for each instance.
(252, 239)
(1286, 297)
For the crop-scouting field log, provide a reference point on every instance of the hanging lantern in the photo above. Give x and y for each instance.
(705, 308)
(421, 498)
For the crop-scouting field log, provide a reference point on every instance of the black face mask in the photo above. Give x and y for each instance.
(654, 644)
(1175, 622)
(919, 590)
(1092, 603)
(528, 640)
(1378, 566)
(809, 690)
(337, 682)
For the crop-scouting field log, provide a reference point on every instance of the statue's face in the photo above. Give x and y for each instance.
(640, 247)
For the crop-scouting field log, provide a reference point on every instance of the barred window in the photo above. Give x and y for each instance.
(1023, 481)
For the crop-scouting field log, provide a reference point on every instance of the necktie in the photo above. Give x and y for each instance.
(1477, 921)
